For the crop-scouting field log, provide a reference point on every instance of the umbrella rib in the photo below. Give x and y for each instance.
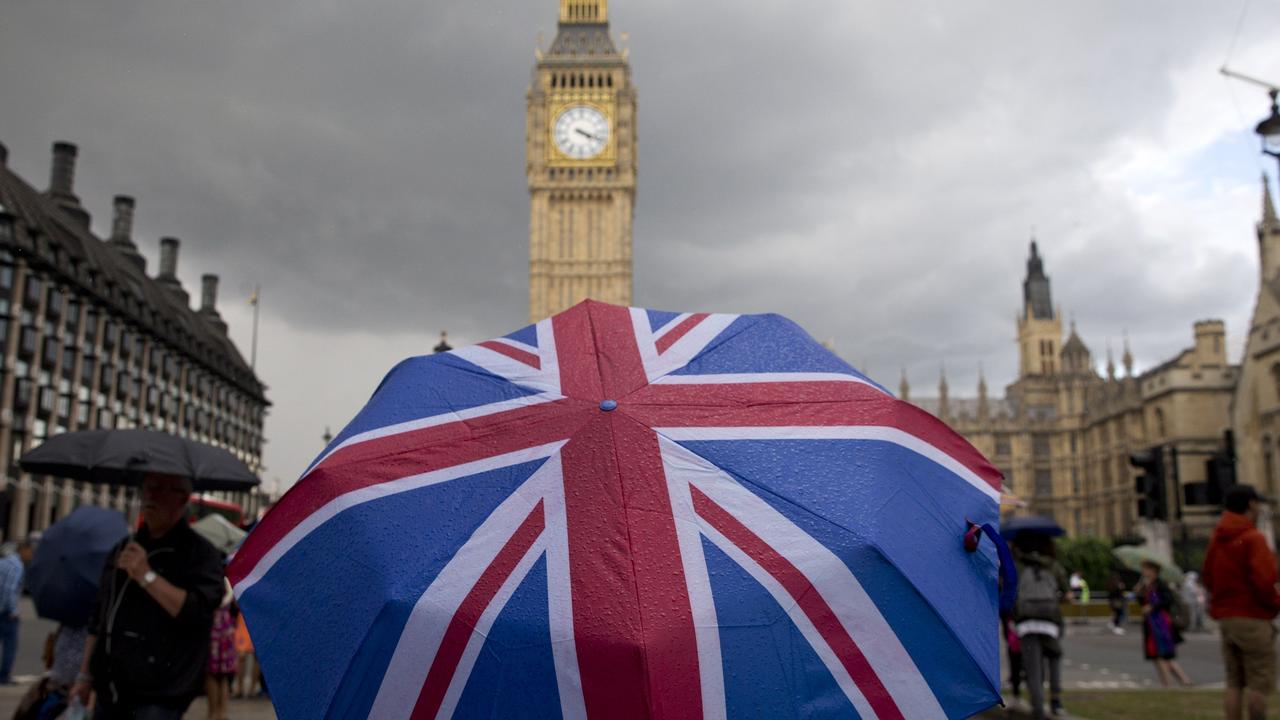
(635, 587)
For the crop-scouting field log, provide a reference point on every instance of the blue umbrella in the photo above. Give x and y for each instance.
(1031, 524)
(63, 576)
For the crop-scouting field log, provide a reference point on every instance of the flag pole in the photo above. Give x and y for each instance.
(253, 347)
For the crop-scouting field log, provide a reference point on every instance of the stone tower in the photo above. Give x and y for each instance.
(1039, 324)
(580, 160)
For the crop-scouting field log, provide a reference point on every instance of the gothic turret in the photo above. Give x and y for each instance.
(1035, 288)
(1039, 324)
(944, 404)
(1268, 235)
(984, 408)
(904, 388)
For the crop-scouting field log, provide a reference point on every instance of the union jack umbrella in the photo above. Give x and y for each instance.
(625, 513)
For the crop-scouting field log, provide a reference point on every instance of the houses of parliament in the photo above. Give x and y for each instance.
(1062, 432)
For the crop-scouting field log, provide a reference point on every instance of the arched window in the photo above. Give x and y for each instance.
(1160, 426)
(1275, 378)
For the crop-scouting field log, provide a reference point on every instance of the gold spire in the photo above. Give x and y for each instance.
(584, 11)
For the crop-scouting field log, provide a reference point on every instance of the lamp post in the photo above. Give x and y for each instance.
(1269, 130)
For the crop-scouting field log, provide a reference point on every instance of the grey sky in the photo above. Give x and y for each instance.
(872, 170)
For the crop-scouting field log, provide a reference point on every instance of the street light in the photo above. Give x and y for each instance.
(1269, 130)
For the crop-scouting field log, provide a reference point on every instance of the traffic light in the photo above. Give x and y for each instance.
(1150, 485)
(1219, 475)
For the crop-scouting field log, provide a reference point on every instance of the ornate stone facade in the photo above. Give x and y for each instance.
(1062, 434)
(580, 151)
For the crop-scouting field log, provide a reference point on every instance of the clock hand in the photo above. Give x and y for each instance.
(584, 134)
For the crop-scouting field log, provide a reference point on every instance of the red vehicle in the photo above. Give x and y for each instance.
(202, 506)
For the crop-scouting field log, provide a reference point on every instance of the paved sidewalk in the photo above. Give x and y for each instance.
(11, 695)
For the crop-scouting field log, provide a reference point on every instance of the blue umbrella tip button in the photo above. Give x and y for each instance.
(608, 405)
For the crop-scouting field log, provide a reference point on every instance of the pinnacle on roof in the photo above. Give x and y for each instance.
(1127, 358)
(1074, 345)
(1035, 288)
(443, 345)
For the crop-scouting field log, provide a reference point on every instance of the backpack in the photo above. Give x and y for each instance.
(1038, 597)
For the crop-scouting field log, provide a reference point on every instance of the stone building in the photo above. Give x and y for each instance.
(580, 162)
(1255, 409)
(91, 341)
(1063, 432)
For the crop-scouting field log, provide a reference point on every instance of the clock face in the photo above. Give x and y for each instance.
(581, 132)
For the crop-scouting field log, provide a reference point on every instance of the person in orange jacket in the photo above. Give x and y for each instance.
(1240, 575)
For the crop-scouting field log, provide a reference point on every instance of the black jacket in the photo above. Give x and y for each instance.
(143, 654)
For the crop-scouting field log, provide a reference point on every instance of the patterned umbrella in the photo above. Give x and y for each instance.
(626, 513)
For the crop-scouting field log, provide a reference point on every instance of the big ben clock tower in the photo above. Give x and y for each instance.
(580, 151)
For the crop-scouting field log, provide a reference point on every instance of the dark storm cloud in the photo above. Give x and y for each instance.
(871, 169)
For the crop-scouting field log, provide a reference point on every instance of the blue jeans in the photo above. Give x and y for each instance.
(8, 638)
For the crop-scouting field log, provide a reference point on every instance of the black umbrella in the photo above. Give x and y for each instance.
(64, 572)
(1030, 524)
(122, 457)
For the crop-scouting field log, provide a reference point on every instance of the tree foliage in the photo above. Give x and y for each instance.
(1091, 556)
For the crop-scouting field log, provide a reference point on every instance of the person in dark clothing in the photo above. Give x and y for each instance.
(149, 635)
(1160, 637)
(1118, 599)
(1037, 615)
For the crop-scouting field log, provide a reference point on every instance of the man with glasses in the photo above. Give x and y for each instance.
(149, 635)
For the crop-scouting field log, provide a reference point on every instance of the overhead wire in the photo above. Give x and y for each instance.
(1231, 92)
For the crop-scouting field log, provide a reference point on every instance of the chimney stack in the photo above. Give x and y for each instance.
(122, 232)
(4, 155)
(122, 220)
(62, 177)
(209, 301)
(209, 293)
(168, 276)
(62, 174)
(168, 259)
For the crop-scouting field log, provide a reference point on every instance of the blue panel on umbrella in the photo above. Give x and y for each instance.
(887, 502)
(426, 386)
(515, 674)
(770, 669)
(308, 621)
(658, 318)
(527, 335)
(766, 343)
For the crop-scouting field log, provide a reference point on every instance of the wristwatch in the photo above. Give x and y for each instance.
(148, 578)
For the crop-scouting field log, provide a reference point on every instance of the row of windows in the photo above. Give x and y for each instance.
(137, 382)
(581, 173)
(59, 302)
(581, 80)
